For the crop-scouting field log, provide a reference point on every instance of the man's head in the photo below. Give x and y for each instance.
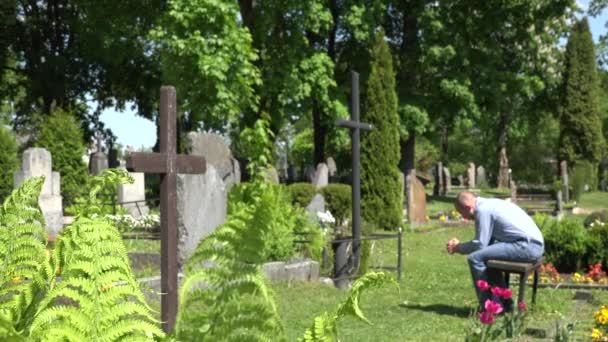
(465, 204)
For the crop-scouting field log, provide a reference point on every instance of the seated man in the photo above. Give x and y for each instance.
(503, 231)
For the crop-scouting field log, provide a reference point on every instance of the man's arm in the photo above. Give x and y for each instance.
(483, 234)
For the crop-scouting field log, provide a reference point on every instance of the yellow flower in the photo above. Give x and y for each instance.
(16, 280)
(577, 278)
(427, 218)
(596, 334)
(602, 319)
(442, 218)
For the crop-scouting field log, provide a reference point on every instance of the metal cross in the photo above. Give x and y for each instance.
(167, 163)
(355, 127)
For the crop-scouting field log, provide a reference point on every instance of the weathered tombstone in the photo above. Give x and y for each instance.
(481, 178)
(471, 175)
(291, 174)
(317, 204)
(331, 167)
(133, 196)
(38, 162)
(563, 167)
(460, 180)
(321, 178)
(282, 169)
(309, 174)
(447, 179)
(558, 203)
(272, 174)
(439, 188)
(201, 207)
(513, 188)
(216, 151)
(167, 163)
(416, 200)
(98, 161)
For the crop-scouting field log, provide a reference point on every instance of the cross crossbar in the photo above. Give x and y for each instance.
(354, 125)
(157, 163)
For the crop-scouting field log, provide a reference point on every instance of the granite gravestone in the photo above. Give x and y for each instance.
(38, 162)
(216, 151)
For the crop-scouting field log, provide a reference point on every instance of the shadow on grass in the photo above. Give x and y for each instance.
(442, 309)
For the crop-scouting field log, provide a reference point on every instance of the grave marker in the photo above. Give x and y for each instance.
(167, 163)
(355, 127)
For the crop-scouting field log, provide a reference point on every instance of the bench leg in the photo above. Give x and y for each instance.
(522, 287)
(507, 279)
(535, 286)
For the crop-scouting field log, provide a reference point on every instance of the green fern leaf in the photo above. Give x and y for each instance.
(98, 297)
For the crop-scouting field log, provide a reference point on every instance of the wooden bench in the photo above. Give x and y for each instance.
(523, 269)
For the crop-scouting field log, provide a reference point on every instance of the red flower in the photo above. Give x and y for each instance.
(486, 317)
(521, 305)
(504, 293)
(493, 307)
(483, 285)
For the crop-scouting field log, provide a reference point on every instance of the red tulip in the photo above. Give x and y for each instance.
(486, 317)
(483, 285)
(493, 307)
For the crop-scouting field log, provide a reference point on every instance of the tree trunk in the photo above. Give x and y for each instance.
(319, 132)
(503, 160)
(246, 7)
(444, 144)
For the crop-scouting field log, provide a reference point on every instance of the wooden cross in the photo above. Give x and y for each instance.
(167, 163)
(355, 127)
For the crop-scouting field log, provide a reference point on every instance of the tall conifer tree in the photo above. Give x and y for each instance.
(580, 125)
(380, 189)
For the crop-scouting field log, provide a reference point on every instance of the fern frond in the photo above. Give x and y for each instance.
(24, 260)
(325, 326)
(104, 301)
(370, 280)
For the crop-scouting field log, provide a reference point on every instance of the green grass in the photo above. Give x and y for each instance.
(437, 204)
(434, 302)
(594, 200)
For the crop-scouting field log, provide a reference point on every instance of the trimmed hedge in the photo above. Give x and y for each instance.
(338, 201)
(301, 193)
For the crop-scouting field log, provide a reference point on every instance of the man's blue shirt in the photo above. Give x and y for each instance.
(497, 220)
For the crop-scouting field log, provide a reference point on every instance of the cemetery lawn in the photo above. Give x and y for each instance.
(594, 200)
(434, 302)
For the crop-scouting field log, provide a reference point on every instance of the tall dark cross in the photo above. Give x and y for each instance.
(355, 127)
(168, 164)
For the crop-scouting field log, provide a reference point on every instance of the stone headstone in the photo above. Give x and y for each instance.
(282, 169)
(272, 174)
(201, 207)
(291, 174)
(563, 168)
(217, 153)
(133, 196)
(317, 204)
(38, 162)
(416, 200)
(309, 173)
(321, 178)
(558, 202)
(447, 179)
(113, 161)
(471, 175)
(439, 188)
(481, 178)
(513, 188)
(98, 162)
(460, 180)
(331, 167)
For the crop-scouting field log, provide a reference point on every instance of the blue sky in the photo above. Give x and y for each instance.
(136, 131)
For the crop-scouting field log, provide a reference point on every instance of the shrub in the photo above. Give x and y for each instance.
(8, 161)
(338, 200)
(566, 244)
(301, 193)
(601, 216)
(61, 135)
(381, 196)
(598, 242)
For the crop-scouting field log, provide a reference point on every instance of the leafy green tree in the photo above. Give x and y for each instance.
(8, 161)
(61, 135)
(581, 135)
(68, 50)
(381, 197)
(207, 55)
